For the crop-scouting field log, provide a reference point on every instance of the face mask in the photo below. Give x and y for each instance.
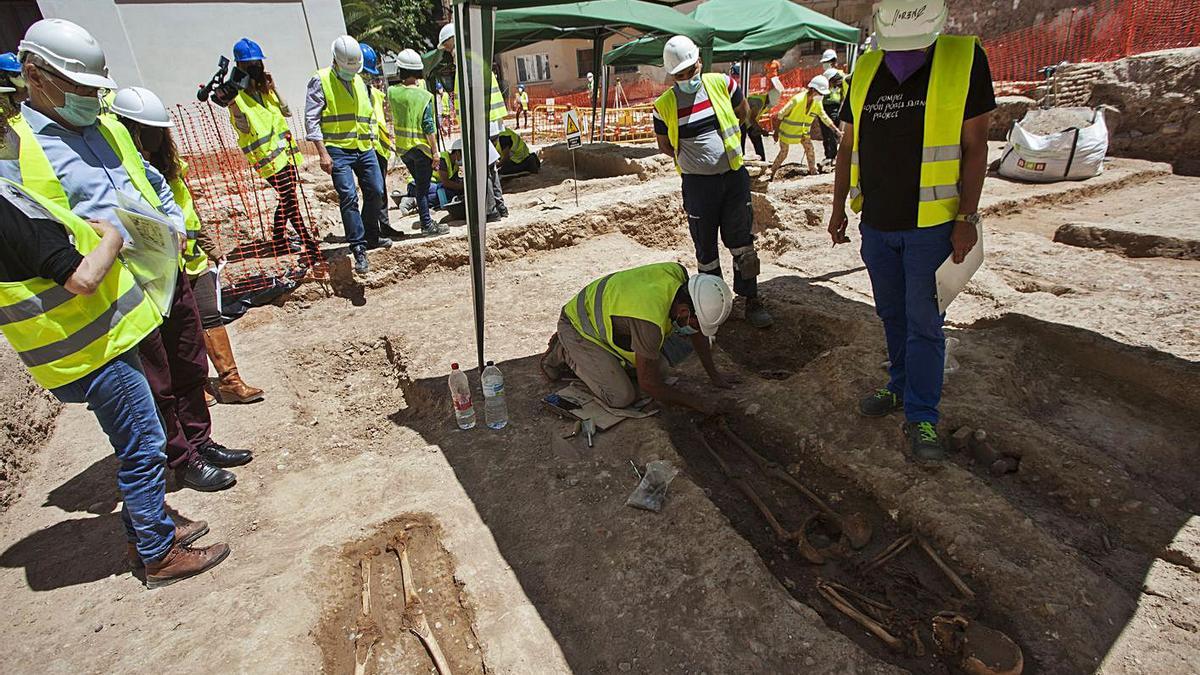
(685, 330)
(691, 86)
(344, 75)
(79, 111)
(904, 64)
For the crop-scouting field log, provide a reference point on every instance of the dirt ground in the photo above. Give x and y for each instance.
(1080, 361)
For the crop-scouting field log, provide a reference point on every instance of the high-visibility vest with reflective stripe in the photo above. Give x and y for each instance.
(797, 124)
(758, 104)
(945, 106)
(268, 145)
(451, 170)
(61, 336)
(195, 260)
(523, 99)
(384, 144)
(645, 293)
(408, 113)
(348, 120)
(444, 103)
(727, 121)
(496, 108)
(520, 151)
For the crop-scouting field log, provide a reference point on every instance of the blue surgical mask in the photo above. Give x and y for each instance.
(691, 86)
(79, 111)
(684, 330)
(344, 75)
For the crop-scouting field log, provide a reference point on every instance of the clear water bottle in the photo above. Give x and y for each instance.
(495, 411)
(460, 396)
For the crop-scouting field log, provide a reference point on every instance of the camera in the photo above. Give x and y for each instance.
(224, 85)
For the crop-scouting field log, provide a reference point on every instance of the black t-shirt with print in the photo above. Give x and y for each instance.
(31, 243)
(892, 136)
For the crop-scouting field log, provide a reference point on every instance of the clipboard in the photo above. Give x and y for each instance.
(952, 278)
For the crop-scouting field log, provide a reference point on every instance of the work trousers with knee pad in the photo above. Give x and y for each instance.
(720, 206)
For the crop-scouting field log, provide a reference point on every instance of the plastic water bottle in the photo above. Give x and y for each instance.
(460, 396)
(495, 411)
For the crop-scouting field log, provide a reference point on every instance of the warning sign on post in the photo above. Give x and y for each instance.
(571, 125)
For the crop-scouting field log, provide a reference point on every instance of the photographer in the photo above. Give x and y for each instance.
(259, 115)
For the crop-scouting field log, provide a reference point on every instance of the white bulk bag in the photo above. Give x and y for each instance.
(1056, 144)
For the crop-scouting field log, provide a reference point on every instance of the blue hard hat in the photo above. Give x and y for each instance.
(9, 63)
(247, 50)
(370, 59)
(439, 86)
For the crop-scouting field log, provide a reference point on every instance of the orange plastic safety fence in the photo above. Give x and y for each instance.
(263, 230)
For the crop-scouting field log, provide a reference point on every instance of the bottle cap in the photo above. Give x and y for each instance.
(453, 366)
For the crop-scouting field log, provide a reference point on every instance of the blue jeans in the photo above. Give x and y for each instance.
(902, 266)
(120, 397)
(362, 227)
(421, 167)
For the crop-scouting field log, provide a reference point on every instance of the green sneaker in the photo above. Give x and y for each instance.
(924, 442)
(880, 404)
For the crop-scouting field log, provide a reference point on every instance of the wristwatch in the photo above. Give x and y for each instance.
(970, 218)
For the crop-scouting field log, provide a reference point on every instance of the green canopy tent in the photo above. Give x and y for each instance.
(480, 28)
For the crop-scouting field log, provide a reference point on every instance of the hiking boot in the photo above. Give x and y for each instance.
(360, 259)
(218, 455)
(757, 314)
(924, 443)
(434, 229)
(199, 475)
(182, 562)
(880, 404)
(382, 242)
(185, 534)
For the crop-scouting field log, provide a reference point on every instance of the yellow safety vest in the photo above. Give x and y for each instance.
(451, 171)
(797, 124)
(195, 260)
(945, 106)
(348, 120)
(523, 99)
(496, 108)
(727, 121)
(268, 144)
(645, 293)
(444, 102)
(384, 144)
(408, 113)
(61, 336)
(520, 151)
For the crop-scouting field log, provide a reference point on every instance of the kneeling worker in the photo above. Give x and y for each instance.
(515, 156)
(624, 319)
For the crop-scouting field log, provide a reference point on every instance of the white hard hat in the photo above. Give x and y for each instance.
(712, 300)
(456, 145)
(348, 54)
(142, 106)
(832, 73)
(902, 25)
(69, 49)
(447, 33)
(409, 59)
(680, 53)
(828, 56)
(820, 84)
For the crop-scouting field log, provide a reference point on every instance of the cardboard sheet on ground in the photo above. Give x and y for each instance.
(588, 407)
(153, 255)
(952, 278)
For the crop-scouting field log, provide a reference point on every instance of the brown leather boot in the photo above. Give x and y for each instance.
(182, 562)
(185, 534)
(230, 387)
(209, 399)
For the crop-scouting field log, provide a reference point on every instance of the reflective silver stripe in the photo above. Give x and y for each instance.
(404, 133)
(258, 143)
(938, 193)
(598, 309)
(783, 135)
(794, 123)
(98, 328)
(941, 153)
(497, 105)
(585, 322)
(269, 158)
(342, 136)
(742, 250)
(35, 305)
(854, 158)
(346, 117)
(709, 266)
(855, 192)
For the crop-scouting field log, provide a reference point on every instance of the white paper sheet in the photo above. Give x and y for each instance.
(952, 278)
(152, 255)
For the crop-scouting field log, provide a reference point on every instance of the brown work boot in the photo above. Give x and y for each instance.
(230, 387)
(182, 562)
(185, 534)
(209, 399)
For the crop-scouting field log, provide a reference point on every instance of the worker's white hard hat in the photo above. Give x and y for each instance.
(680, 53)
(832, 73)
(142, 106)
(456, 145)
(828, 56)
(447, 33)
(69, 49)
(902, 25)
(820, 84)
(712, 300)
(409, 59)
(347, 54)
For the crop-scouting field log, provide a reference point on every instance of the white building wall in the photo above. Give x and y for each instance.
(172, 47)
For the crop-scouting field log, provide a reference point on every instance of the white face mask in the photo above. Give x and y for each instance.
(690, 86)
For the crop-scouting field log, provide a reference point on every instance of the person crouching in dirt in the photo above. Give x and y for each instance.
(515, 156)
(144, 115)
(795, 124)
(634, 319)
(50, 253)
(916, 178)
(697, 122)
